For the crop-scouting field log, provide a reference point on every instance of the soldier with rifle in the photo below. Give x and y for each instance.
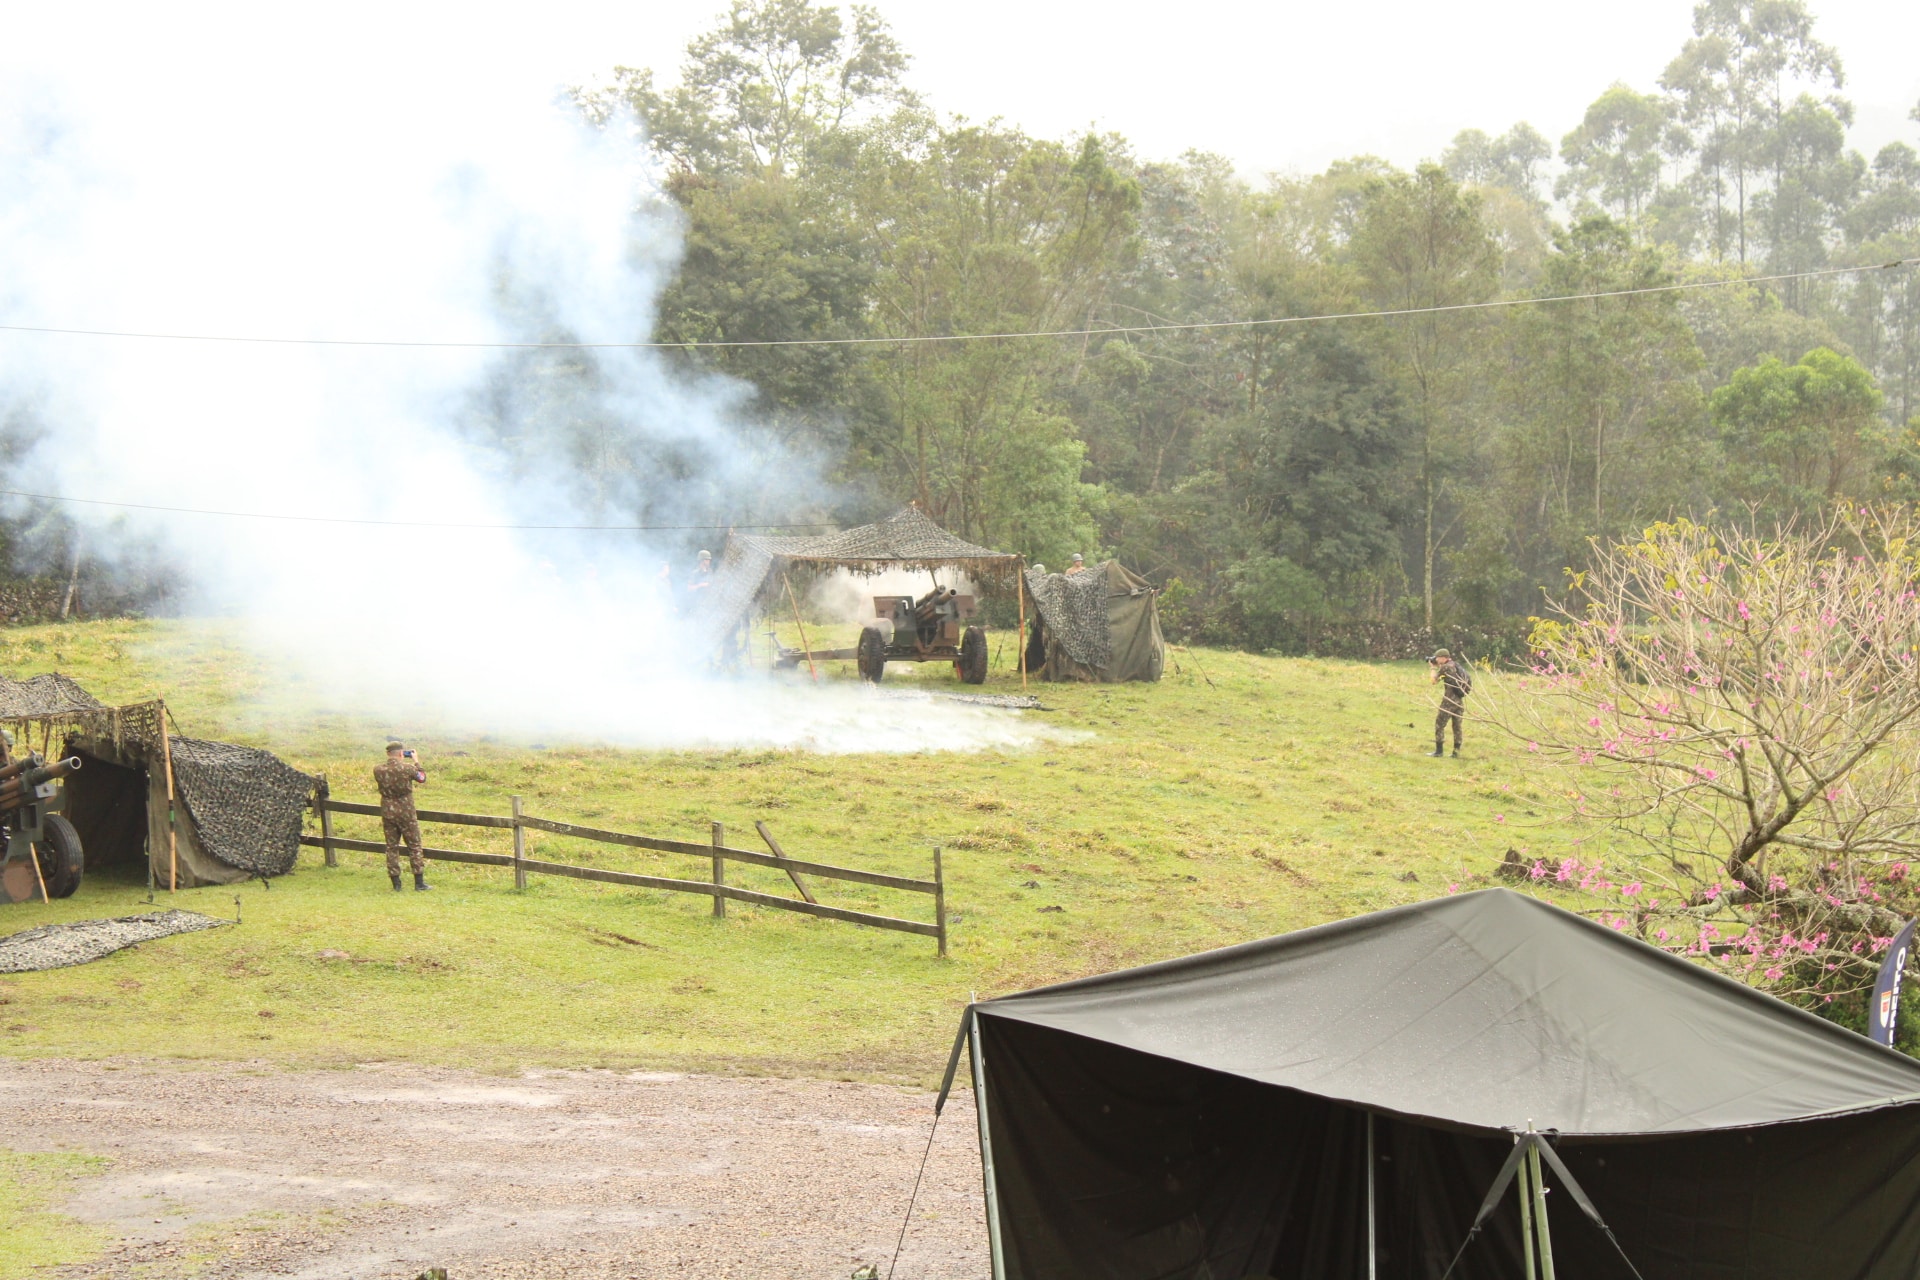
(399, 821)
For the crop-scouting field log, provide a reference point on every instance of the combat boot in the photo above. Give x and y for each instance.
(1436, 752)
(419, 882)
(395, 877)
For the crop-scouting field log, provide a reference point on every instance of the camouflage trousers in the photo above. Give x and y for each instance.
(1450, 709)
(403, 833)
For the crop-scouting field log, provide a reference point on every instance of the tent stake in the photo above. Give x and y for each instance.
(986, 1154)
(1372, 1252)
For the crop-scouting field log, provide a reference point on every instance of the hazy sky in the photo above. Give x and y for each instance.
(1271, 86)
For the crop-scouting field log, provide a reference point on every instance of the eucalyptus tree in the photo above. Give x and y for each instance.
(1734, 82)
(1421, 250)
(1614, 158)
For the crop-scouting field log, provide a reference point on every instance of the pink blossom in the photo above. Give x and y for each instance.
(1538, 871)
(1567, 868)
(1631, 890)
(1745, 613)
(1776, 973)
(1499, 817)
(1713, 892)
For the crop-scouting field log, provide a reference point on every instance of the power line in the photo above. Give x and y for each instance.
(1114, 331)
(403, 524)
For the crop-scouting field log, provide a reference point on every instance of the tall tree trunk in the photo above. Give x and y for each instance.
(73, 580)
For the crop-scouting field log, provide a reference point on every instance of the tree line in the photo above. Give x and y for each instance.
(1285, 479)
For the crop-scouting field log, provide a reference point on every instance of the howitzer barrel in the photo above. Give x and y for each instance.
(31, 760)
(14, 790)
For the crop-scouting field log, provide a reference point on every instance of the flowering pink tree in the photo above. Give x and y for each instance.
(1746, 709)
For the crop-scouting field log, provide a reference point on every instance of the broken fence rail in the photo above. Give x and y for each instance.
(717, 850)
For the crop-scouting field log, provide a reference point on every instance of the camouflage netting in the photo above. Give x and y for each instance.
(1102, 624)
(1074, 609)
(48, 697)
(247, 803)
(907, 539)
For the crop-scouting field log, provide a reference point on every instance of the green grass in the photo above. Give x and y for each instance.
(1242, 796)
(31, 1237)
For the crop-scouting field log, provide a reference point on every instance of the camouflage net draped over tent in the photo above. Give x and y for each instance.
(907, 539)
(246, 802)
(242, 806)
(1101, 624)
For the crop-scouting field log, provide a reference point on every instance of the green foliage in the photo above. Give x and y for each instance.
(1455, 458)
(1800, 436)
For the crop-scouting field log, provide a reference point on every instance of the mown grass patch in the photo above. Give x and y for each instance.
(1242, 796)
(31, 1236)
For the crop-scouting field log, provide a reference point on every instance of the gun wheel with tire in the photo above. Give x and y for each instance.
(973, 657)
(61, 857)
(871, 655)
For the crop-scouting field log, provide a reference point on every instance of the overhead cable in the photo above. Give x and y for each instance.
(922, 339)
(403, 524)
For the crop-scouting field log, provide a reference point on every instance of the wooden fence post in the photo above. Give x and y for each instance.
(939, 903)
(326, 821)
(719, 870)
(519, 848)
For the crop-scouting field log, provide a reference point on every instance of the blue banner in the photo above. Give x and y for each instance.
(1883, 1011)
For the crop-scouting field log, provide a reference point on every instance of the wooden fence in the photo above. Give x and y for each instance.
(716, 852)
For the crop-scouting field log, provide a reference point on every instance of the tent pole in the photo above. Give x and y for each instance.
(986, 1154)
(801, 625)
(1540, 1208)
(1373, 1270)
(173, 837)
(1526, 1214)
(1020, 585)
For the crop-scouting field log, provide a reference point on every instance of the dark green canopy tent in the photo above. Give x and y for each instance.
(1212, 1118)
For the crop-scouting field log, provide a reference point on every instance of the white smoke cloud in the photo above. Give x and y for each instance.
(398, 199)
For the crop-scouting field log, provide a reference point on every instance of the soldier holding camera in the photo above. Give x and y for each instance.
(399, 821)
(1455, 684)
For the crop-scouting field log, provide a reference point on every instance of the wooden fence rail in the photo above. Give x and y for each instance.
(717, 851)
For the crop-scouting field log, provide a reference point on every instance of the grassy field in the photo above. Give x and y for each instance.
(1241, 797)
(34, 1238)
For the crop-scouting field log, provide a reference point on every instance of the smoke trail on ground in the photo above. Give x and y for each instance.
(411, 203)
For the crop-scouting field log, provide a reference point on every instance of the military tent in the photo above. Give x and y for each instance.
(235, 811)
(1100, 625)
(1337, 1103)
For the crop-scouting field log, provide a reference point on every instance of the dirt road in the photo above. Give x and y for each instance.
(383, 1171)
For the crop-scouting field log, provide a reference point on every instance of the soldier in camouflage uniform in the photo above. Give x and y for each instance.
(395, 777)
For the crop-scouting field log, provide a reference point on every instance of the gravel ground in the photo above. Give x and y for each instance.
(383, 1171)
(55, 946)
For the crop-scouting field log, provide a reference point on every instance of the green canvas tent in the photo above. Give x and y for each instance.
(1101, 625)
(1340, 1102)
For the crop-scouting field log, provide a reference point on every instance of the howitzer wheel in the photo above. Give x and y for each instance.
(972, 667)
(871, 655)
(61, 857)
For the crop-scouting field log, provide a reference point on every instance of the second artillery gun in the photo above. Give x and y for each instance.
(933, 628)
(42, 858)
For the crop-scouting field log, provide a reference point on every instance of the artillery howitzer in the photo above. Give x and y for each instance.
(931, 629)
(42, 855)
